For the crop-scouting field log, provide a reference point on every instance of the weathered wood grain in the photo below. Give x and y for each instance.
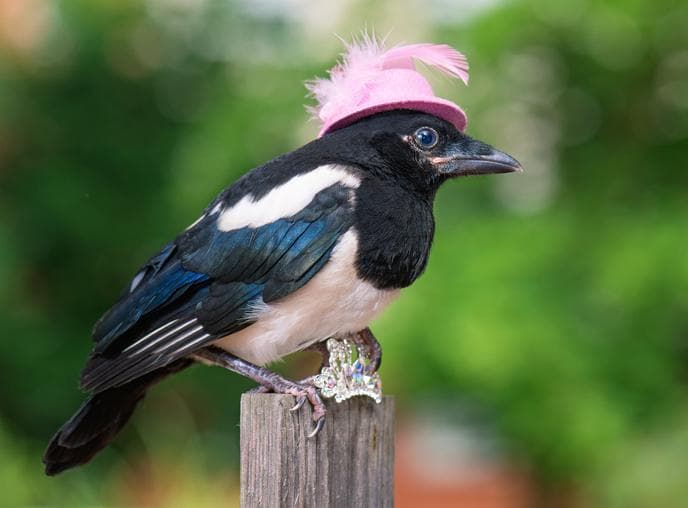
(350, 463)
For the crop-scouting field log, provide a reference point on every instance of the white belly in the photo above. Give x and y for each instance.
(332, 303)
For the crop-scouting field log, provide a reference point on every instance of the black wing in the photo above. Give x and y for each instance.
(202, 286)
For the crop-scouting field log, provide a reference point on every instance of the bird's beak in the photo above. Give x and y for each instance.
(478, 159)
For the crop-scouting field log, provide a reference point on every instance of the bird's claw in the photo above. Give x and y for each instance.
(311, 394)
(299, 403)
(318, 427)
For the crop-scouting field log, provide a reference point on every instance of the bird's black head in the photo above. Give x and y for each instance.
(418, 149)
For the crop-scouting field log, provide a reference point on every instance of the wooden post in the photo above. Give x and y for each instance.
(349, 464)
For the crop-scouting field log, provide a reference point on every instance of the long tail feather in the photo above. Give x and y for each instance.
(99, 420)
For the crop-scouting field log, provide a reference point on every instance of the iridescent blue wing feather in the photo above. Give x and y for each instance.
(204, 285)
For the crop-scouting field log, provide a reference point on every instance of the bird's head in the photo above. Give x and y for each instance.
(375, 97)
(420, 149)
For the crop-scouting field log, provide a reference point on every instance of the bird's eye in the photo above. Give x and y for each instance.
(426, 138)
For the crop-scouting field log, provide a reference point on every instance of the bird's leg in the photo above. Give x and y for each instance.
(366, 338)
(270, 380)
(319, 347)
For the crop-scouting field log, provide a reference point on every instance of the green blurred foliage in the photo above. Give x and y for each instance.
(554, 302)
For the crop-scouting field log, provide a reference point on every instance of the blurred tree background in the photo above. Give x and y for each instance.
(549, 334)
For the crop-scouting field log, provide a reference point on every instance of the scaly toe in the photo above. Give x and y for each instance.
(319, 410)
(260, 389)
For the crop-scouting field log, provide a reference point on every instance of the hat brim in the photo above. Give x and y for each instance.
(441, 108)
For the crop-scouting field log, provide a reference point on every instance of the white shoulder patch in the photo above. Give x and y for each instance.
(284, 201)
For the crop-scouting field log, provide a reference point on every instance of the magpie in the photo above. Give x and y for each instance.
(311, 245)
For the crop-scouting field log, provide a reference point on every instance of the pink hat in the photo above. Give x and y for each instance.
(371, 80)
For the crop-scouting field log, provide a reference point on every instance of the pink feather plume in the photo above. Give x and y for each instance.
(444, 58)
(365, 58)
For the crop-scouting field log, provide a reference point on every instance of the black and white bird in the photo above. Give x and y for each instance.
(313, 244)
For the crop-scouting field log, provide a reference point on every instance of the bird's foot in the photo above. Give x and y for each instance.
(303, 391)
(270, 382)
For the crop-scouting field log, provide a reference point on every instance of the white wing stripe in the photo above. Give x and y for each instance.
(193, 343)
(168, 345)
(184, 325)
(145, 337)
